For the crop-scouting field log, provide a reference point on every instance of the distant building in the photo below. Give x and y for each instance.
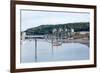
(72, 30)
(84, 32)
(23, 35)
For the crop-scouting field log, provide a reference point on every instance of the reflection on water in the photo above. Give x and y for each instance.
(45, 52)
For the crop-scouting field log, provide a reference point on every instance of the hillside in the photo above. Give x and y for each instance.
(47, 29)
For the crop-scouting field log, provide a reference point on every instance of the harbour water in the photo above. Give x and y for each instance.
(43, 51)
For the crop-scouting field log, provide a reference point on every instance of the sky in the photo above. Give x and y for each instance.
(31, 18)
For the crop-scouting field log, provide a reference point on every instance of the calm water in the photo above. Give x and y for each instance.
(46, 53)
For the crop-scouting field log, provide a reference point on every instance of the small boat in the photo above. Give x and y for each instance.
(57, 43)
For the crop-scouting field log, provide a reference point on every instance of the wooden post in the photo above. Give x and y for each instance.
(35, 50)
(52, 44)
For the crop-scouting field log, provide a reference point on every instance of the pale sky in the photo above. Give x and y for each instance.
(31, 19)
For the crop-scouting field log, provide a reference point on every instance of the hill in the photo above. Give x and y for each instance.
(47, 28)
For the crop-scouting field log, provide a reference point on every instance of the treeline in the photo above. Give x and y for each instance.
(47, 29)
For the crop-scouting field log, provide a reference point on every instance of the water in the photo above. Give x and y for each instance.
(46, 53)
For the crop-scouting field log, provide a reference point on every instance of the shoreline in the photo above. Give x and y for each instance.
(82, 41)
